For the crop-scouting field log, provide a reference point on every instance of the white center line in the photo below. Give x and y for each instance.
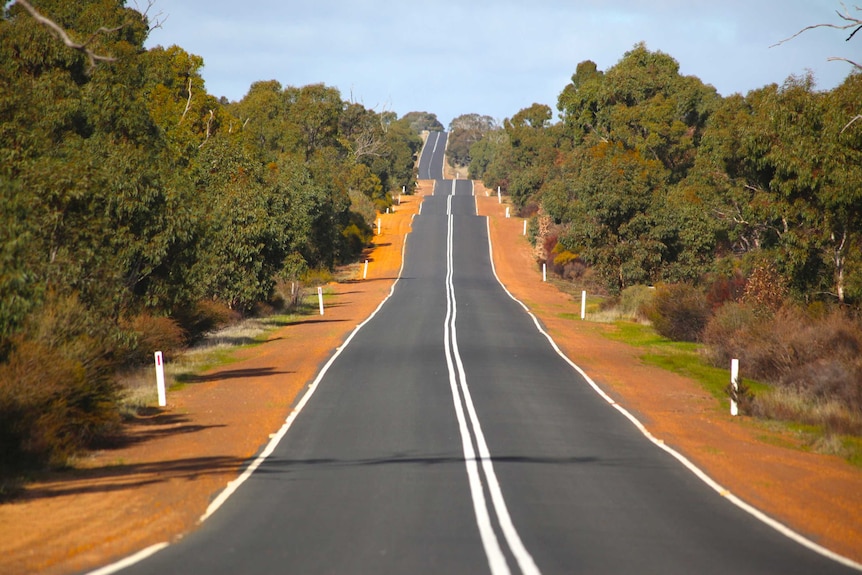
(458, 381)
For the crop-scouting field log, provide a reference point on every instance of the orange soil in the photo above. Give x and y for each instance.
(155, 488)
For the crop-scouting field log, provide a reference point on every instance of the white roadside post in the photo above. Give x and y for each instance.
(507, 212)
(499, 197)
(365, 270)
(734, 382)
(320, 299)
(378, 226)
(525, 227)
(583, 304)
(160, 379)
(544, 272)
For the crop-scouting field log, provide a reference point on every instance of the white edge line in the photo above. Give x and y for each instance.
(698, 472)
(232, 486)
(130, 560)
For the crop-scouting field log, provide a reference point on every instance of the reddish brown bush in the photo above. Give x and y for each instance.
(730, 332)
(206, 315)
(548, 245)
(765, 288)
(528, 210)
(725, 289)
(57, 388)
(153, 334)
(817, 357)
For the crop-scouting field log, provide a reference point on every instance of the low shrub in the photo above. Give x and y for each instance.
(204, 316)
(528, 210)
(566, 264)
(362, 205)
(788, 404)
(728, 332)
(383, 204)
(635, 301)
(58, 394)
(679, 312)
(813, 362)
(317, 277)
(356, 239)
(151, 334)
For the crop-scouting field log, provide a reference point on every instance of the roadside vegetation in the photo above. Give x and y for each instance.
(731, 223)
(139, 212)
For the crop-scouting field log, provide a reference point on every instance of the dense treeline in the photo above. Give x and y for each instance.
(652, 176)
(745, 211)
(132, 200)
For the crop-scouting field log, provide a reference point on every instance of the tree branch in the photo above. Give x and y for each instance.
(209, 126)
(839, 59)
(858, 117)
(64, 37)
(188, 102)
(158, 19)
(851, 23)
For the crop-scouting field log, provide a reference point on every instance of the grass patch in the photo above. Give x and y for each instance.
(639, 335)
(689, 364)
(853, 450)
(679, 357)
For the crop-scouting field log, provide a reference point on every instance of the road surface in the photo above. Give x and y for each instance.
(431, 159)
(449, 437)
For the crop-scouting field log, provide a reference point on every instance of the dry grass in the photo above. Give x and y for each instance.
(214, 349)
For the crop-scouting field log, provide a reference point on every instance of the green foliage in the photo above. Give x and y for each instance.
(651, 176)
(464, 131)
(610, 215)
(156, 211)
(422, 121)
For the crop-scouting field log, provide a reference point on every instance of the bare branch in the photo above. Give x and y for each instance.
(188, 102)
(858, 117)
(158, 19)
(64, 37)
(852, 22)
(839, 59)
(209, 126)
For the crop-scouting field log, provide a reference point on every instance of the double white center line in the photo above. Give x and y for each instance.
(462, 399)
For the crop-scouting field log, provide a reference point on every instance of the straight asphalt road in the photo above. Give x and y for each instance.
(449, 437)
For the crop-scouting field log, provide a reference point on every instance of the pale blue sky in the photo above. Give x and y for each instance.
(454, 57)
